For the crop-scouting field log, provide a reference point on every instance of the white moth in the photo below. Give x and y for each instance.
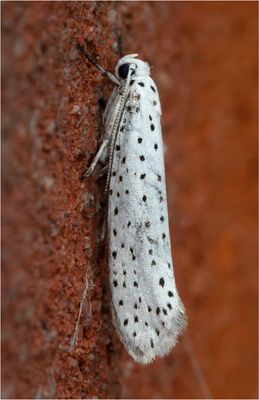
(147, 309)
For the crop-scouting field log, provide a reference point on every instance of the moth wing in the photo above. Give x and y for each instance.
(148, 311)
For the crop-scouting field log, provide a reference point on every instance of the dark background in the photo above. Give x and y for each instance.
(204, 59)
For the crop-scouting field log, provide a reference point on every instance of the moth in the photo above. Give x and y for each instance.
(147, 310)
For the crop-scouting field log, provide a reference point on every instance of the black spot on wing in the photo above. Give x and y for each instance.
(162, 282)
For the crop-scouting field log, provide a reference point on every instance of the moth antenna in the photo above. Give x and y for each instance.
(102, 70)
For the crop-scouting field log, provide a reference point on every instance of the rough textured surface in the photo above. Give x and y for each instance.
(205, 66)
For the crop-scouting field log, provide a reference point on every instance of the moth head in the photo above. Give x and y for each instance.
(140, 67)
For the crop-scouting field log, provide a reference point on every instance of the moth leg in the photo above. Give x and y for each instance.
(103, 71)
(88, 286)
(104, 225)
(89, 171)
(102, 172)
(101, 154)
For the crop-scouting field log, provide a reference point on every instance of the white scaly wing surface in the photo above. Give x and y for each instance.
(148, 312)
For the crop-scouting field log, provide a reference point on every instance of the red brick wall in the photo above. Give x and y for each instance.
(204, 58)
